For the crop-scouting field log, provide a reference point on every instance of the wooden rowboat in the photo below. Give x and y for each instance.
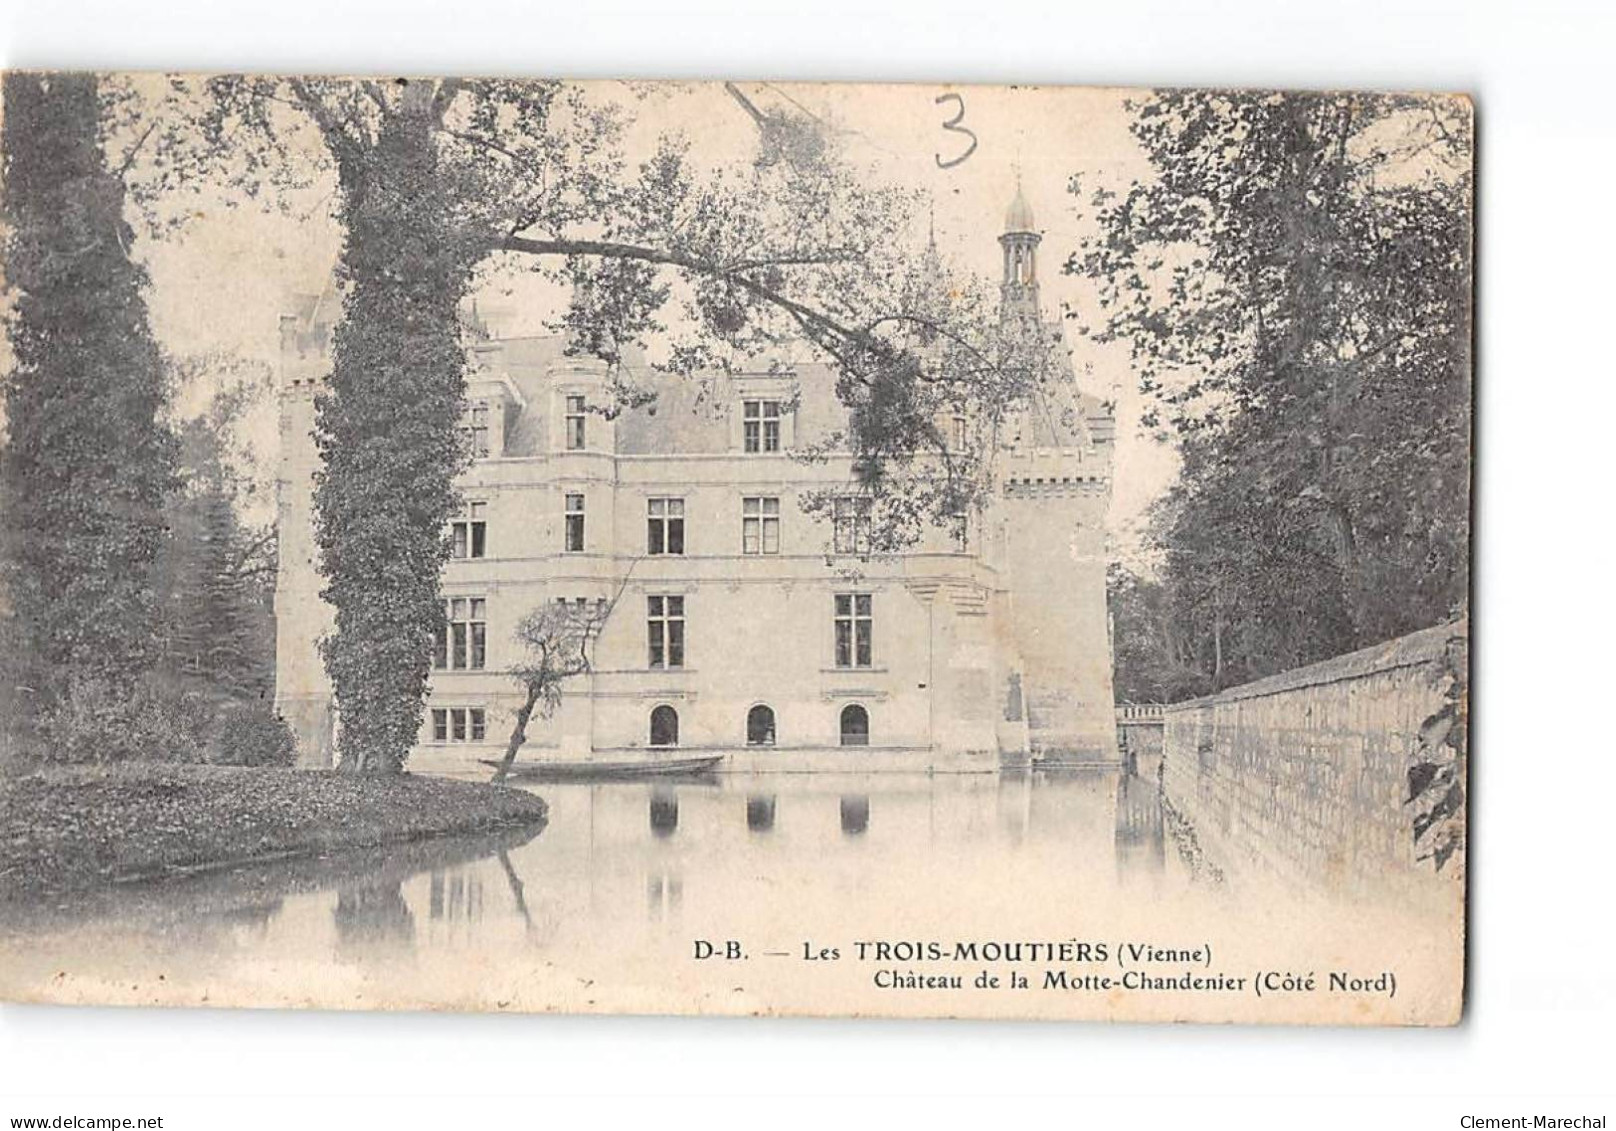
(609, 771)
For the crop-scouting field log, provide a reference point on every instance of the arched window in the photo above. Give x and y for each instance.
(664, 812)
(855, 725)
(855, 813)
(664, 726)
(760, 812)
(760, 726)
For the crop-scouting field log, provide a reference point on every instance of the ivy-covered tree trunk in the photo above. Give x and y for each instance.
(87, 463)
(388, 433)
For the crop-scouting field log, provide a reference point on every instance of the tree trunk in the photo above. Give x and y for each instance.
(518, 890)
(518, 734)
(388, 433)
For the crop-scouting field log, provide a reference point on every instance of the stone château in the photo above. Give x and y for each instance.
(742, 623)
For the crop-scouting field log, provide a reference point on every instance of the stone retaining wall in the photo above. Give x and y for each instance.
(1304, 777)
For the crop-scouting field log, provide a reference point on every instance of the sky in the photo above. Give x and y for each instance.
(223, 280)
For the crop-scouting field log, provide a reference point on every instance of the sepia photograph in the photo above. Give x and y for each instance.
(701, 565)
(736, 547)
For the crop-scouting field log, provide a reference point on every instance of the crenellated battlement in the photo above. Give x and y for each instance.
(304, 386)
(1055, 473)
(1067, 487)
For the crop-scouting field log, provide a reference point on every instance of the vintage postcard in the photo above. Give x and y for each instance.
(735, 548)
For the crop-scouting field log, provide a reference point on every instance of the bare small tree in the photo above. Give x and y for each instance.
(555, 639)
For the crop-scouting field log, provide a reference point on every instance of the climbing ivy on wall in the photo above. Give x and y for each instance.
(1437, 774)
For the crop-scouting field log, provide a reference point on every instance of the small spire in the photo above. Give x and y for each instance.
(1019, 216)
(932, 261)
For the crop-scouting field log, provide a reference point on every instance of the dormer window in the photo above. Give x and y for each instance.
(760, 425)
(475, 429)
(576, 416)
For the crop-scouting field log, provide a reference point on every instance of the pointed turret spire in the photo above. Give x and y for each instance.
(932, 260)
(1018, 218)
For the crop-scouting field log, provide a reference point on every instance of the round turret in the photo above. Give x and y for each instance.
(1019, 289)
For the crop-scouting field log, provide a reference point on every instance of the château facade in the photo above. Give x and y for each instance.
(739, 622)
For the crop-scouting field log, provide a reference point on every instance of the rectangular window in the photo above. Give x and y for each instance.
(468, 533)
(583, 612)
(575, 423)
(665, 526)
(475, 429)
(959, 530)
(850, 520)
(760, 424)
(760, 525)
(956, 439)
(462, 642)
(575, 524)
(854, 628)
(459, 724)
(665, 628)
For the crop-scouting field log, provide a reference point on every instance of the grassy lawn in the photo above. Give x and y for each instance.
(65, 828)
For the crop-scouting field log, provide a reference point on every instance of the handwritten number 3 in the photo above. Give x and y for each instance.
(953, 124)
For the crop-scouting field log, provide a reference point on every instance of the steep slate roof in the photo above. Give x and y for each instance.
(692, 414)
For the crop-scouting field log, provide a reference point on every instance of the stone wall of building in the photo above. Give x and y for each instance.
(302, 689)
(1054, 514)
(1303, 777)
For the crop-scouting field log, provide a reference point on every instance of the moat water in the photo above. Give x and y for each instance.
(717, 896)
(770, 860)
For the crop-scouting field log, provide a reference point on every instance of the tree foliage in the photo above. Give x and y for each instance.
(88, 462)
(215, 575)
(1150, 657)
(249, 733)
(1293, 282)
